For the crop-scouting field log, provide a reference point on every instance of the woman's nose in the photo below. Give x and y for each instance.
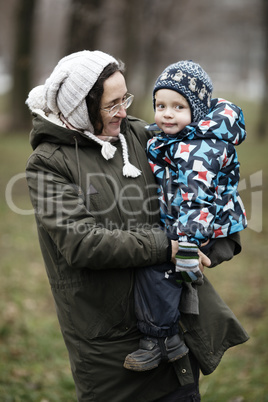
(122, 112)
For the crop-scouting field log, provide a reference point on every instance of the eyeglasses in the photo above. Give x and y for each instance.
(115, 109)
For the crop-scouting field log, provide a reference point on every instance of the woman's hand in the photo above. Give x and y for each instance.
(204, 261)
(175, 249)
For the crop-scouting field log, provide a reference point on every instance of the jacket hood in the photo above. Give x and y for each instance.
(225, 121)
(51, 129)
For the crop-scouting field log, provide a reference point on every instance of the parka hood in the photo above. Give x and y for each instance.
(51, 129)
(225, 121)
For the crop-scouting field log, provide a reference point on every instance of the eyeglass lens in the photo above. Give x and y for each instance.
(115, 109)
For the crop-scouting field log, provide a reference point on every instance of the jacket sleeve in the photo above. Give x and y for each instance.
(197, 210)
(207, 184)
(223, 119)
(198, 178)
(223, 249)
(73, 230)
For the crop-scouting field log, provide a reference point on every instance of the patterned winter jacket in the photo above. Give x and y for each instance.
(198, 174)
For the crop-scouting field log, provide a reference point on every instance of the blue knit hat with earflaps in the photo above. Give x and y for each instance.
(192, 82)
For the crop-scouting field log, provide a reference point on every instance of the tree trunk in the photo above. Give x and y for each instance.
(263, 122)
(20, 118)
(85, 24)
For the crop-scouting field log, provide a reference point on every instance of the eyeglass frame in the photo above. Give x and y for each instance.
(118, 106)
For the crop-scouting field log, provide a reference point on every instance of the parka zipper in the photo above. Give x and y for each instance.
(78, 166)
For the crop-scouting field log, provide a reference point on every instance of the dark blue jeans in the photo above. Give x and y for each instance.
(157, 298)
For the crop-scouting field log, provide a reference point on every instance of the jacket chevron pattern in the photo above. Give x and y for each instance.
(198, 174)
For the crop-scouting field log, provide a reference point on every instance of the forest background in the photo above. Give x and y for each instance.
(229, 39)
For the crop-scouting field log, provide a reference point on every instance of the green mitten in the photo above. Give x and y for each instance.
(187, 263)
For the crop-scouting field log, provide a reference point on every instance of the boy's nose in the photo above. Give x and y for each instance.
(168, 112)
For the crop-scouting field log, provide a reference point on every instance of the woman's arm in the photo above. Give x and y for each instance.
(224, 249)
(73, 229)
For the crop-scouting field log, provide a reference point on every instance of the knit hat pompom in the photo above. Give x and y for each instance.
(36, 99)
(192, 82)
(69, 84)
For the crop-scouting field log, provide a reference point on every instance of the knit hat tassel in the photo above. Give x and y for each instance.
(107, 150)
(129, 170)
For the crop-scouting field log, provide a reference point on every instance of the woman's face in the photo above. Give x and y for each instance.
(114, 92)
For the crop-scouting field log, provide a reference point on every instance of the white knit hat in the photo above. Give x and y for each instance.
(65, 91)
(69, 84)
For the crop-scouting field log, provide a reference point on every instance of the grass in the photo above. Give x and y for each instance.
(33, 360)
(243, 284)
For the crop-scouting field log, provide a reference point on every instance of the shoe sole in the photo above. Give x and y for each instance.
(177, 357)
(141, 367)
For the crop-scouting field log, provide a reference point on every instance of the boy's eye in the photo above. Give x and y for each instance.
(160, 106)
(179, 107)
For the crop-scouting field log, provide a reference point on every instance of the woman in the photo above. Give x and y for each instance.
(97, 217)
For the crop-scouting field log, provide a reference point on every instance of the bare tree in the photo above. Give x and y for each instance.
(136, 32)
(86, 19)
(22, 64)
(263, 123)
(147, 27)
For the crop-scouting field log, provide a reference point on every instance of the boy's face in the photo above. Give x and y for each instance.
(172, 111)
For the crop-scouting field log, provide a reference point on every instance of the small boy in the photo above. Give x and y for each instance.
(197, 170)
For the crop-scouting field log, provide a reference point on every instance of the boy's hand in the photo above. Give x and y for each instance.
(187, 263)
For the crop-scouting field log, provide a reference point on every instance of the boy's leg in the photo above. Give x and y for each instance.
(157, 297)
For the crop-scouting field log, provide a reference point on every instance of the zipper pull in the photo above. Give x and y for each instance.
(167, 172)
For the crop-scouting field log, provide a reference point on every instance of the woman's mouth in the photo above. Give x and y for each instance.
(116, 122)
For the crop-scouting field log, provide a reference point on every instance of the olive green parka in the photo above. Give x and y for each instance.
(95, 227)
